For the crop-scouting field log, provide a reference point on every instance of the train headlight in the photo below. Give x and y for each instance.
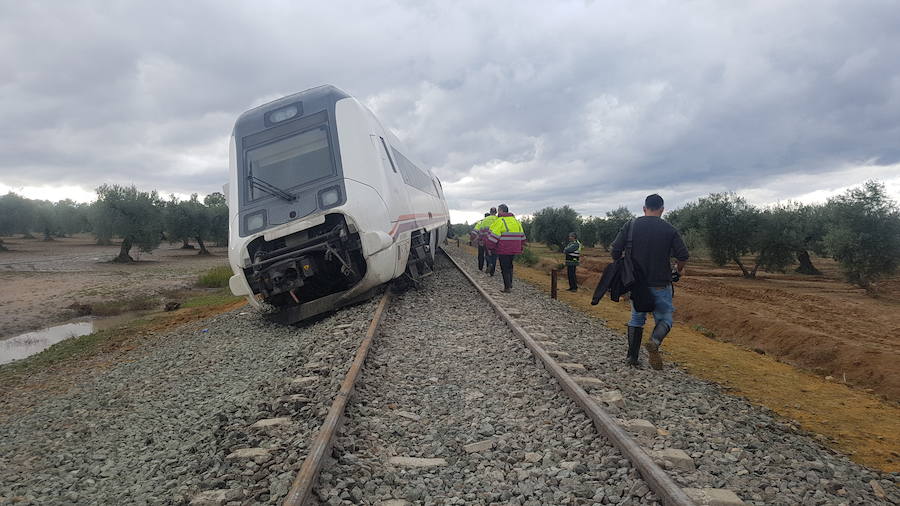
(284, 114)
(255, 221)
(329, 197)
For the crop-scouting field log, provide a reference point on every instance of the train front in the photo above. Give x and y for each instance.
(292, 243)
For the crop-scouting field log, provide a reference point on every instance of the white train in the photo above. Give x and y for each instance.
(325, 204)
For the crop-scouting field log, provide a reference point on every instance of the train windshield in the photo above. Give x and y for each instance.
(288, 163)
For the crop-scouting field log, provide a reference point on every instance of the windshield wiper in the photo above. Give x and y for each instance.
(269, 187)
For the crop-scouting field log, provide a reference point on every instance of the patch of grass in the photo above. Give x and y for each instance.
(220, 298)
(528, 257)
(114, 307)
(217, 277)
(705, 331)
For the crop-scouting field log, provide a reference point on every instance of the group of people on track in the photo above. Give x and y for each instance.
(641, 253)
(499, 236)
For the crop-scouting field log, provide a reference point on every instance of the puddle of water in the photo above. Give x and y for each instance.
(25, 345)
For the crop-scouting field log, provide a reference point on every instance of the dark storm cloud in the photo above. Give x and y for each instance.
(591, 104)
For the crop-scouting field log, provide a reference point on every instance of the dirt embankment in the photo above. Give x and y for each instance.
(40, 281)
(818, 323)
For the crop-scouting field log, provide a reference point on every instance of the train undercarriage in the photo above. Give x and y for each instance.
(309, 272)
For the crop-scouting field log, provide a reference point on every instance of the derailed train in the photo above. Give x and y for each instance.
(325, 204)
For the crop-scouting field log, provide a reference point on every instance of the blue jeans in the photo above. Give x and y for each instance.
(663, 308)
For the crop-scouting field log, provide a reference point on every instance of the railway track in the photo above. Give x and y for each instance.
(648, 478)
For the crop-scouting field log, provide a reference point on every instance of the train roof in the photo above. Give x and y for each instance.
(316, 99)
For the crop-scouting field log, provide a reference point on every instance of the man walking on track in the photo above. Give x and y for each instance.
(506, 239)
(653, 243)
(573, 258)
(484, 228)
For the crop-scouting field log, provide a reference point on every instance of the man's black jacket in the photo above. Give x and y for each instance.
(621, 277)
(610, 281)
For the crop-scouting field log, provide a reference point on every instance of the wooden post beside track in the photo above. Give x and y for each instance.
(554, 273)
(321, 445)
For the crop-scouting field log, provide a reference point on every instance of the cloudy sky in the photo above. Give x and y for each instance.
(588, 103)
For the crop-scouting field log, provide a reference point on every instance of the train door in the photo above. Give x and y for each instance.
(397, 199)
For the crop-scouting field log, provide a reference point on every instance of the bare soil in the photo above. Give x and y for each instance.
(40, 281)
(819, 323)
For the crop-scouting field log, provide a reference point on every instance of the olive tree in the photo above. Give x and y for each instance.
(863, 233)
(590, 231)
(189, 219)
(177, 222)
(728, 226)
(133, 215)
(71, 217)
(18, 215)
(45, 219)
(552, 225)
(776, 239)
(608, 228)
(217, 207)
(200, 222)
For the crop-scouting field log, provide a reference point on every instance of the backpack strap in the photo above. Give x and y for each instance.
(629, 238)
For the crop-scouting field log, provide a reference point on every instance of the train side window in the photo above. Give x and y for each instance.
(388, 153)
(412, 175)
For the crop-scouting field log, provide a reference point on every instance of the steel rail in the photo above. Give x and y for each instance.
(659, 482)
(306, 478)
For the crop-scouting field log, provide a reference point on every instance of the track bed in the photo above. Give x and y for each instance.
(448, 381)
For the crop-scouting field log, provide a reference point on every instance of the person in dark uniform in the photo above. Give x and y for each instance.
(479, 241)
(573, 258)
(654, 243)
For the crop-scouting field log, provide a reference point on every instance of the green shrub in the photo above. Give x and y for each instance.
(217, 277)
(527, 257)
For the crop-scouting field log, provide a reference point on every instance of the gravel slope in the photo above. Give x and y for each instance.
(156, 428)
(443, 374)
(735, 445)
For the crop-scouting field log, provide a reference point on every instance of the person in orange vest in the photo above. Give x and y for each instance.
(506, 239)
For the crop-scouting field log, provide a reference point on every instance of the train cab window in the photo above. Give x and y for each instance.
(288, 163)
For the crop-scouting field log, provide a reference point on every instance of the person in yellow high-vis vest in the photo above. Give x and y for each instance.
(506, 239)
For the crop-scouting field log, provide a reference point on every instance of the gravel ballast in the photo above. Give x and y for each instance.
(734, 445)
(452, 409)
(170, 422)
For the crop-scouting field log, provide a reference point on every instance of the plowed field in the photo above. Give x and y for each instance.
(818, 323)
